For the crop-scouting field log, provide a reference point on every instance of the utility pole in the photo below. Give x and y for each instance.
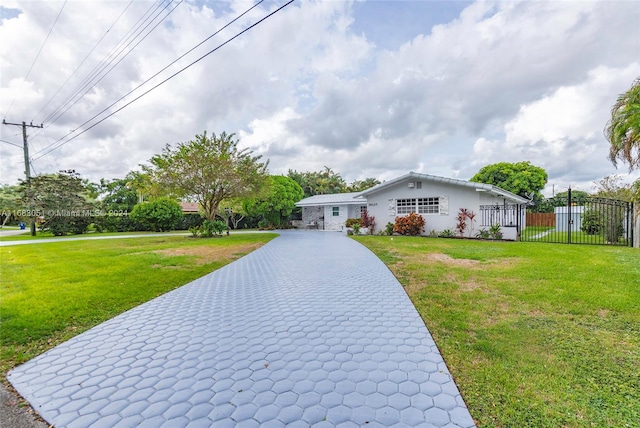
(27, 168)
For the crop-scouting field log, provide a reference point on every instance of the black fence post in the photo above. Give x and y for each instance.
(569, 219)
(631, 231)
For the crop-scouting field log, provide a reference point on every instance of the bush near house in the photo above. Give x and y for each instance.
(412, 225)
(160, 215)
(353, 221)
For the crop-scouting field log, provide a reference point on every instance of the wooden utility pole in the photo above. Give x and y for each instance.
(27, 168)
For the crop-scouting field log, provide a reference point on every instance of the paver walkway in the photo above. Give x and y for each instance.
(309, 330)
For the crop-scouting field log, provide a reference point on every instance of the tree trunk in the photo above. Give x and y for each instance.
(636, 229)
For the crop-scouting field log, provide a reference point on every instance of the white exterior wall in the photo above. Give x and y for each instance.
(332, 222)
(382, 204)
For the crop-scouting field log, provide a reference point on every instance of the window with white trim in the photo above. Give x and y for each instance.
(361, 210)
(418, 206)
(336, 211)
(428, 205)
(405, 206)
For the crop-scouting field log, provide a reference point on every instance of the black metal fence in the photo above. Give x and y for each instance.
(583, 220)
(502, 215)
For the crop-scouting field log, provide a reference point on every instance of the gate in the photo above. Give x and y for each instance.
(579, 220)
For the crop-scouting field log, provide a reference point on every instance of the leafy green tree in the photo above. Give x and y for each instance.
(359, 186)
(142, 184)
(208, 170)
(521, 178)
(319, 182)
(159, 215)
(61, 201)
(614, 187)
(277, 202)
(117, 201)
(578, 197)
(10, 204)
(623, 129)
(116, 194)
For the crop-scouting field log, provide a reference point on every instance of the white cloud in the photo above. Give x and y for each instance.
(504, 81)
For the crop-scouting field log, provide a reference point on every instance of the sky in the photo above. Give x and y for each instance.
(366, 88)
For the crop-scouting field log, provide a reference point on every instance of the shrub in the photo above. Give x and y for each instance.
(483, 234)
(63, 225)
(368, 221)
(388, 230)
(495, 232)
(614, 229)
(412, 225)
(189, 220)
(353, 221)
(209, 228)
(116, 223)
(160, 215)
(447, 233)
(462, 218)
(356, 228)
(592, 223)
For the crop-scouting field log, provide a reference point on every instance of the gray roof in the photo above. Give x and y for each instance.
(456, 182)
(333, 199)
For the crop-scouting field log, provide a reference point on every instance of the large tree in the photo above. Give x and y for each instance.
(319, 182)
(362, 185)
(10, 204)
(209, 170)
(614, 187)
(623, 129)
(277, 202)
(61, 201)
(521, 178)
(117, 199)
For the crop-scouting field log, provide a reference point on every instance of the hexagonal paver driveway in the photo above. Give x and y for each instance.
(309, 330)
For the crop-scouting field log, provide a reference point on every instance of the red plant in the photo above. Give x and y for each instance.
(412, 225)
(462, 218)
(368, 221)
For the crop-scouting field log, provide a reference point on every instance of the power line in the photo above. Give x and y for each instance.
(162, 82)
(108, 59)
(13, 144)
(37, 56)
(90, 82)
(163, 69)
(165, 80)
(104, 62)
(83, 61)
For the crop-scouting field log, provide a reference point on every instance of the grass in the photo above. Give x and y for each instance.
(535, 335)
(51, 292)
(537, 233)
(48, 235)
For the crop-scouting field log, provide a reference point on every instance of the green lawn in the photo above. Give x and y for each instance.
(536, 335)
(537, 233)
(51, 292)
(48, 235)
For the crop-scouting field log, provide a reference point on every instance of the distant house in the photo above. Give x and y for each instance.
(190, 207)
(437, 199)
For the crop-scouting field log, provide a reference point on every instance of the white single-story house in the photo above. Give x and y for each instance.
(437, 199)
(330, 212)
